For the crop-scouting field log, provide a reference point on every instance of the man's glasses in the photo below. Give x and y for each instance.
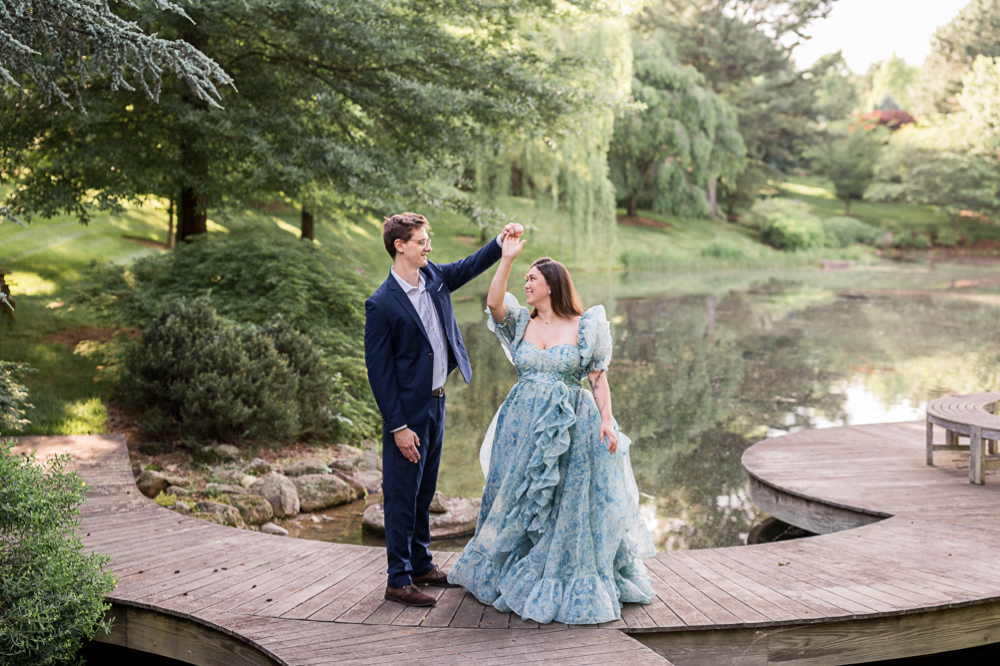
(424, 242)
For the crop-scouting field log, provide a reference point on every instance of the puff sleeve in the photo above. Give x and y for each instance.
(510, 331)
(594, 340)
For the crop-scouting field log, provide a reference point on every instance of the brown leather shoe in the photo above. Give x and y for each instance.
(434, 577)
(409, 595)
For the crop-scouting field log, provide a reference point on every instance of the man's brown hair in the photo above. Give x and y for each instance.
(401, 227)
(565, 301)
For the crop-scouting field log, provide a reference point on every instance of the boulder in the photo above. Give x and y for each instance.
(458, 520)
(280, 492)
(219, 453)
(151, 483)
(271, 528)
(254, 509)
(230, 514)
(229, 476)
(257, 467)
(307, 466)
(370, 481)
(346, 458)
(358, 488)
(210, 517)
(224, 489)
(321, 491)
(181, 508)
(177, 491)
(371, 461)
(179, 481)
(437, 504)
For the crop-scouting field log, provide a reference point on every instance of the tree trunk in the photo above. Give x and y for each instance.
(170, 225)
(847, 205)
(308, 228)
(633, 205)
(193, 217)
(713, 209)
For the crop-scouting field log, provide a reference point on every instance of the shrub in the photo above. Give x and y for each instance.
(723, 251)
(249, 278)
(786, 224)
(844, 231)
(947, 238)
(51, 590)
(13, 397)
(230, 383)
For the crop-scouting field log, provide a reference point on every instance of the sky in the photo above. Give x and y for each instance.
(871, 30)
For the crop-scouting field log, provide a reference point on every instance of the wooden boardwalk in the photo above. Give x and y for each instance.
(908, 563)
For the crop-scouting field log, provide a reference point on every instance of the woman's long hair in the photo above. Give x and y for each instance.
(565, 301)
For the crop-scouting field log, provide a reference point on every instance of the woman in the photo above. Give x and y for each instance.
(559, 536)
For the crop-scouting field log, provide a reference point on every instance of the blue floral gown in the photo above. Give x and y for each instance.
(559, 536)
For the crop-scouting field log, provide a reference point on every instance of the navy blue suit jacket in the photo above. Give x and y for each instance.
(397, 350)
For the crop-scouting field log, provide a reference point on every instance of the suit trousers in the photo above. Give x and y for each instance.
(407, 490)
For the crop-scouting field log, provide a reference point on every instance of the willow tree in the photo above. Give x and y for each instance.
(360, 98)
(669, 153)
(564, 165)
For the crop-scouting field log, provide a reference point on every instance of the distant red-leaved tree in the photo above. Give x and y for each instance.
(891, 118)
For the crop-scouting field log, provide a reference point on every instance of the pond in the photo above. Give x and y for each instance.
(705, 364)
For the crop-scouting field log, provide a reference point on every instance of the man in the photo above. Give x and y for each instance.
(412, 342)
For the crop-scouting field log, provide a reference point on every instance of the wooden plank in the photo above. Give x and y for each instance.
(444, 610)
(331, 603)
(494, 619)
(469, 613)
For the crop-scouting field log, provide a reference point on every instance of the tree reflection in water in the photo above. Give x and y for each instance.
(699, 377)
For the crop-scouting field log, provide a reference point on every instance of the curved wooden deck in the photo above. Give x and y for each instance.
(907, 564)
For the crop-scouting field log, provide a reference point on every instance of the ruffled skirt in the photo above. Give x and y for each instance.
(559, 537)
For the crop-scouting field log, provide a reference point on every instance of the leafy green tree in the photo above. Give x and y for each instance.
(665, 155)
(920, 174)
(13, 396)
(55, 45)
(743, 49)
(51, 589)
(973, 32)
(849, 161)
(363, 98)
(891, 85)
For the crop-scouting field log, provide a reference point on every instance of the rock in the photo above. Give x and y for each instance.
(254, 509)
(173, 467)
(307, 466)
(219, 453)
(181, 508)
(459, 520)
(151, 483)
(229, 476)
(358, 488)
(280, 492)
(136, 470)
(248, 481)
(371, 461)
(271, 528)
(370, 481)
(230, 514)
(321, 491)
(177, 491)
(257, 467)
(210, 517)
(178, 481)
(437, 504)
(346, 458)
(223, 489)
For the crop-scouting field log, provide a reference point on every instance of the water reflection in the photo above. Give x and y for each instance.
(707, 364)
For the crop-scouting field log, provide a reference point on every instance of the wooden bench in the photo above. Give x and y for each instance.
(973, 416)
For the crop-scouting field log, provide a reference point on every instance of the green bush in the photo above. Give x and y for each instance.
(913, 240)
(51, 590)
(947, 238)
(13, 397)
(250, 277)
(785, 224)
(228, 383)
(843, 231)
(723, 251)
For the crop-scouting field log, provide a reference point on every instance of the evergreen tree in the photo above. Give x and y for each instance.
(52, 45)
(362, 98)
(666, 154)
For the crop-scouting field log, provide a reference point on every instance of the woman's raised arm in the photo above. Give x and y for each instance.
(498, 287)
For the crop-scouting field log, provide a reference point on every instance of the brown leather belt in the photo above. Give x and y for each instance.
(438, 393)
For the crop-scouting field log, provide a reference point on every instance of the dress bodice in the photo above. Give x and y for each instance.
(555, 364)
